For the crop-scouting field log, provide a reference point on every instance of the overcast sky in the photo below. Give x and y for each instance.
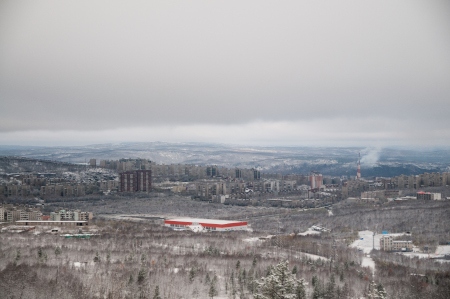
(336, 73)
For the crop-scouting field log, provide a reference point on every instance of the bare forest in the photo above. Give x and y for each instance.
(136, 257)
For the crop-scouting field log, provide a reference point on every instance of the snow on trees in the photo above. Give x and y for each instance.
(280, 283)
(376, 291)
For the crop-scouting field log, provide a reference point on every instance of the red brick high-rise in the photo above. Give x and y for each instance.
(135, 181)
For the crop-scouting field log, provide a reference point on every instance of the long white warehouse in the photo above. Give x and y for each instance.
(196, 224)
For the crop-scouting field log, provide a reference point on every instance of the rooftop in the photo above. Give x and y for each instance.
(200, 220)
(50, 221)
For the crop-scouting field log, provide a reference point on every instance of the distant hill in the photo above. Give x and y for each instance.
(334, 161)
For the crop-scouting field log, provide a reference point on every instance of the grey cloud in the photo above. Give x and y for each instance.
(97, 65)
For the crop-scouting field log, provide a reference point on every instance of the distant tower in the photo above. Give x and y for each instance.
(358, 171)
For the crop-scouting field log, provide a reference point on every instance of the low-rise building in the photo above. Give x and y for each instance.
(387, 243)
(428, 196)
(205, 224)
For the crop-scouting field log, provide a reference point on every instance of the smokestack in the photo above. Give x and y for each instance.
(358, 171)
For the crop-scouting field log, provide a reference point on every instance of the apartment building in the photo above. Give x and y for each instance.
(108, 185)
(212, 171)
(354, 188)
(68, 215)
(62, 190)
(236, 187)
(15, 190)
(136, 181)
(13, 214)
(33, 180)
(288, 185)
(316, 180)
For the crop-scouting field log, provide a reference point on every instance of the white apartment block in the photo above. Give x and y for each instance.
(63, 215)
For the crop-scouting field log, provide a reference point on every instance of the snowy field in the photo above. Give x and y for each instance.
(310, 231)
(443, 250)
(367, 261)
(313, 257)
(440, 252)
(294, 253)
(415, 254)
(365, 243)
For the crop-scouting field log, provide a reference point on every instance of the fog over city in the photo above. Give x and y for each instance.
(296, 73)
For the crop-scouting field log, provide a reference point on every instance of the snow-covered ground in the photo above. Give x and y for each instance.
(440, 252)
(366, 242)
(296, 254)
(416, 254)
(443, 250)
(309, 231)
(313, 257)
(367, 261)
(252, 240)
(285, 253)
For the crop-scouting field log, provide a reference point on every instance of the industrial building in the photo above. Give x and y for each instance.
(205, 224)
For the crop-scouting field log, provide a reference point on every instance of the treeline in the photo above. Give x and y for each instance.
(409, 277)
(143, 260)
(138, 260)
